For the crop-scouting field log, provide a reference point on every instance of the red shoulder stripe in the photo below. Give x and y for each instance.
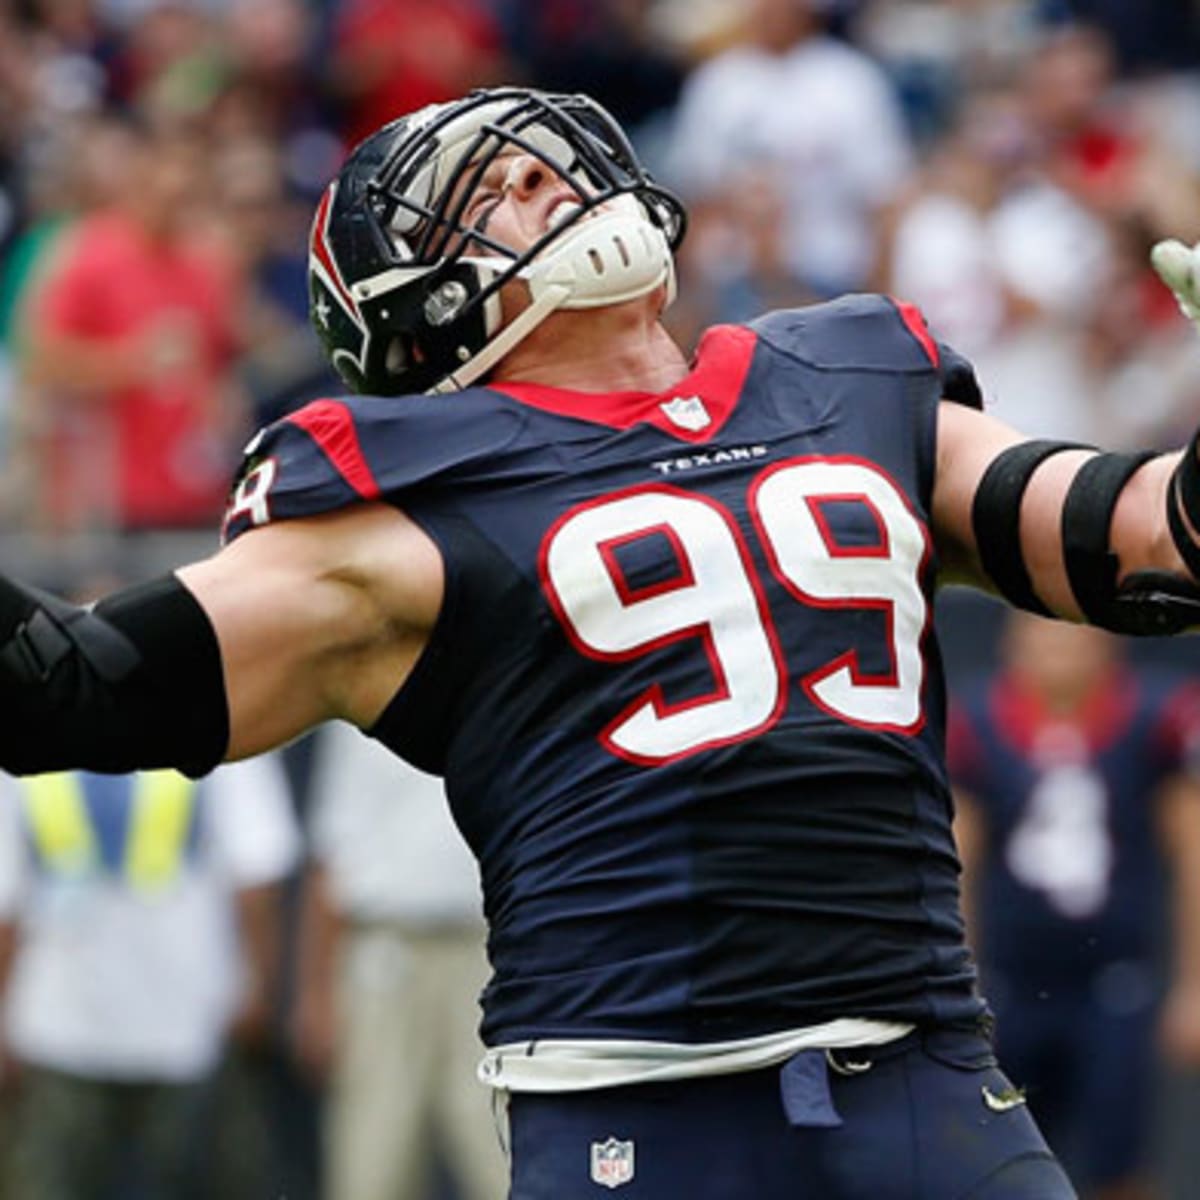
(914, 320)
(330, 425)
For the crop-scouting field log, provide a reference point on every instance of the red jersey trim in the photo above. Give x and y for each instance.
(1100, 719)
(331, 426)
(914, 321)
(318, 245)
(710, 390)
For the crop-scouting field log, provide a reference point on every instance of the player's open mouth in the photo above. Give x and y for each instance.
(565, 209)
(562, 212)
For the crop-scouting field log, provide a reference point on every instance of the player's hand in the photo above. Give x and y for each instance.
(1178, 266)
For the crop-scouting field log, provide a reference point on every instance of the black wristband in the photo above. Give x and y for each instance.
(1086, 520)
(996, 518)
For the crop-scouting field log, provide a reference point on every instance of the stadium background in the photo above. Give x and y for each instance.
(1005, 164)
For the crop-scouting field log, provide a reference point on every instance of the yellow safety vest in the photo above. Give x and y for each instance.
(161, 807)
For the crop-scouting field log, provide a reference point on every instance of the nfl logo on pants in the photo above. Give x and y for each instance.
(612, 1162)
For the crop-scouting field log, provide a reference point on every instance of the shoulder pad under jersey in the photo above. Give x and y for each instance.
(335, 453)
(868, 332)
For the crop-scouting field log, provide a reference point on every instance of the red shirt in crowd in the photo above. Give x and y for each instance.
(164, 433)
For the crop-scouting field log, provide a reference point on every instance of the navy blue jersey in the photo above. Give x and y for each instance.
(684, 687)
(1075, 877)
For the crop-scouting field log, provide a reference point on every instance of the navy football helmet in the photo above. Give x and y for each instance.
(405, 297)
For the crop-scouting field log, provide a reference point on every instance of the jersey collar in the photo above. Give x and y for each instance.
(694, 410)
(1098, 721)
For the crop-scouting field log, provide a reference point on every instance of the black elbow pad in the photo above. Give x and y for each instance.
(134, 683)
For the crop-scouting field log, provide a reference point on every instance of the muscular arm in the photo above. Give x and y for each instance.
(317, 619)
(290, 625)
(968, 442)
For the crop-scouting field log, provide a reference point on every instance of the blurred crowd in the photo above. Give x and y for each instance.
(1003, 164)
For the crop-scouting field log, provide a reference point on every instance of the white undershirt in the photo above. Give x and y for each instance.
(565, 1065)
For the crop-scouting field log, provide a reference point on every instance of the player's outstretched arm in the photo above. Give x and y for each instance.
(290, 625)
(1064, 531)
(1072, 531)
(318, 618)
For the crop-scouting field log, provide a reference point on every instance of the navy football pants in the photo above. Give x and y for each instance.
(1089, 1070)
(909, 1121)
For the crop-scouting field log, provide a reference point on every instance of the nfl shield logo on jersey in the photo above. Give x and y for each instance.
(612, 1162)
(688, 412)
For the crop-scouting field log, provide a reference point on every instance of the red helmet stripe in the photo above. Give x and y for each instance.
(319, 248)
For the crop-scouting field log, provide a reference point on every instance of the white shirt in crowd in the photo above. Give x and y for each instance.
(128, 963)
(383, 831)
(823, 117)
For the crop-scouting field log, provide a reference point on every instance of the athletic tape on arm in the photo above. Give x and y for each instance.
(996, 519)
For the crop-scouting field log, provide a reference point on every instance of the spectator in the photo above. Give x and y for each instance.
(936, 51)
(602, 47)
(1077, 790)
(133, 328)
(1131, 349)
(394, 965)
(140, 908)
(1087, 144)
(1006, 262)
(734, 263)
(393, 56)
(167, 57)
(1146, 33)
(266, 51)
(81, 171)
(266, 230)
(811, 110)
(941, 250)
(271, 92)
(1031, 214)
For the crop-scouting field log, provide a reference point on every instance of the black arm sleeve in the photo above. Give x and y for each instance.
(134, 683)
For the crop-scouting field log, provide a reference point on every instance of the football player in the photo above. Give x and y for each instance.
(665, 628)
(1077, 813)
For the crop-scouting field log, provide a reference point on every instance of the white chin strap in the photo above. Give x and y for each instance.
(612, 255)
